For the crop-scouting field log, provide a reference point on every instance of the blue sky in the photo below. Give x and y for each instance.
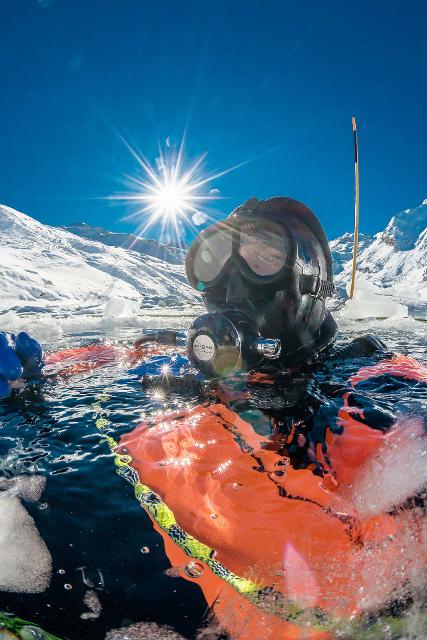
(274, 81)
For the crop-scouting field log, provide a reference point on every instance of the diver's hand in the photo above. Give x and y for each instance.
(20, 357)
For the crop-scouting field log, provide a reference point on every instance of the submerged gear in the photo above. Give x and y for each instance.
(216, 491)
(264, 274)
(267, 523)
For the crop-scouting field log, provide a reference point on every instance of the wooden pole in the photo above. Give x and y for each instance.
(356, 207)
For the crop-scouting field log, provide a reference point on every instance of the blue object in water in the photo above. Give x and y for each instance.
(20, 356)
(10, 365)
(30, 353)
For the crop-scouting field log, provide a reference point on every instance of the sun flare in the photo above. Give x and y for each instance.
(172, 194)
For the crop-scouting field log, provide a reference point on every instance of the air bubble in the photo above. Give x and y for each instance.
(145, 550)
(67, 586)
(194, 569)
(61, 571)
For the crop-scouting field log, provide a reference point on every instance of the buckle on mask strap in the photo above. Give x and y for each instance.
(313, 285)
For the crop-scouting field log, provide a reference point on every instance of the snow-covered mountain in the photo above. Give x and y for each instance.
(342, 249)
(394, 259)
(145, 246)
(51, 270)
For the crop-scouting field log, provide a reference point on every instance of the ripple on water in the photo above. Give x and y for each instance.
(93, 526)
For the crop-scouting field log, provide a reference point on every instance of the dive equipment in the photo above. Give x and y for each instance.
(264, 274)
(223, 343)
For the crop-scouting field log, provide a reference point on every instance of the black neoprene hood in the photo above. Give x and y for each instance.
(286, 303)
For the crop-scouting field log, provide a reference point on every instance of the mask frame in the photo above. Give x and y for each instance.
(234, 229)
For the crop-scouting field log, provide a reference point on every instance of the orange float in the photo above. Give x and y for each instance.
(279, 552)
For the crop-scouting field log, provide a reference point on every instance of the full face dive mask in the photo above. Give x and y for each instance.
(264, 274)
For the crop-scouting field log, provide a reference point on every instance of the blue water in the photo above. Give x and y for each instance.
(88, 516)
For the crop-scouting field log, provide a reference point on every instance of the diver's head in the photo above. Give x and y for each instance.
(264, 274)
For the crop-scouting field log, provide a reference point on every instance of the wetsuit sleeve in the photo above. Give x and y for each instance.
(165, 337)
(362, 347)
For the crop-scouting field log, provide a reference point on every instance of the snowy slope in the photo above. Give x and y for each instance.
(145, 246)
(342, 249)
(51, 270)
(395, 258)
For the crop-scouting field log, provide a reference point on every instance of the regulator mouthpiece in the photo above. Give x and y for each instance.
(220, 344)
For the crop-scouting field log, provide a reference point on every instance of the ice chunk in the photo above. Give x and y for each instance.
(143, 631)
(372, 302)
(120, 308)
(25, 561)
(29, 488)
(42, 327)
(92, 602)
(361, 309)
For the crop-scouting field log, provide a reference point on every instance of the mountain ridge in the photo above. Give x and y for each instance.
(129, 241)
(394, 259)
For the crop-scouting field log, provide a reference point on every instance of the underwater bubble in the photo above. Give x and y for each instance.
(67, 586)
(145, 549)
(214, 516)
(236, 486)
(61, 571)
(194, 569)
(43, 505)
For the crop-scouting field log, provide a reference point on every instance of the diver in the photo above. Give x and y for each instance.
(265, 274)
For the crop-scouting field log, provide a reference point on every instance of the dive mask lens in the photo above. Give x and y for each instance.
(211, 255)
(264, 247)
(265, 251)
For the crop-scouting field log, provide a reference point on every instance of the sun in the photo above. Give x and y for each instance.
(172, 194)
(170, 200)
